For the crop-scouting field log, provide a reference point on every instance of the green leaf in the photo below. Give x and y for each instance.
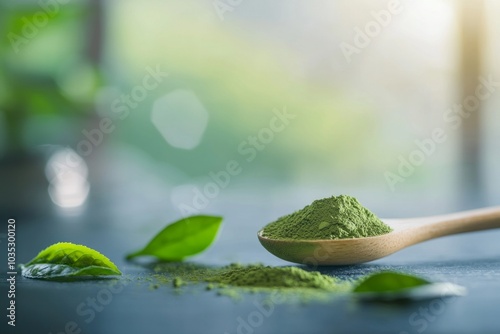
(388, 281)
(392, 286)
(67, 260)
(186, 237)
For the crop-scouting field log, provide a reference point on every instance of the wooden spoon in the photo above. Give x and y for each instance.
(406, 232)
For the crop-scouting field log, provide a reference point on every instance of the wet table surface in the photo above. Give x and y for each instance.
(129, 305)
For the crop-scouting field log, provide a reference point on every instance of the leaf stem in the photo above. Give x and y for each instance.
(134, 254)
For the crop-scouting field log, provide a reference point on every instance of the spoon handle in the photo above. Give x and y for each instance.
(461, 222)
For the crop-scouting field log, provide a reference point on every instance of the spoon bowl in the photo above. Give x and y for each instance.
(406, 232)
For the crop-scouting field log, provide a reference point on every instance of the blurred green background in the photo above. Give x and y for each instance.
(64, 67)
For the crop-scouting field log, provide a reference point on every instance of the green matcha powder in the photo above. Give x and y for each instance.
(339, 217)
(330, 218)
(235, 279)
(259, 276)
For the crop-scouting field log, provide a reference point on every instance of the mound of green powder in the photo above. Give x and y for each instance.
(235, 279)
(339, 217)
(259, 276)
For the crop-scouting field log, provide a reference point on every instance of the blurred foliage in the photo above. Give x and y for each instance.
(240, 77)
(42, 70)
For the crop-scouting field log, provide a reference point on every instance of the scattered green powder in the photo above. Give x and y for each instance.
(232, 293)
(339, 217)
(235, 279)
(191, 272)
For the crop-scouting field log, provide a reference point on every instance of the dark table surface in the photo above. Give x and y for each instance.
(129, 305)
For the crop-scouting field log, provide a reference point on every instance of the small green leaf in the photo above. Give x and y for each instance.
(391, 286)
(67, 260)
(186, 237)
(388, 281)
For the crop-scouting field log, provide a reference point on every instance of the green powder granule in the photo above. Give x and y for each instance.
(178, 282)
(339, 217)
